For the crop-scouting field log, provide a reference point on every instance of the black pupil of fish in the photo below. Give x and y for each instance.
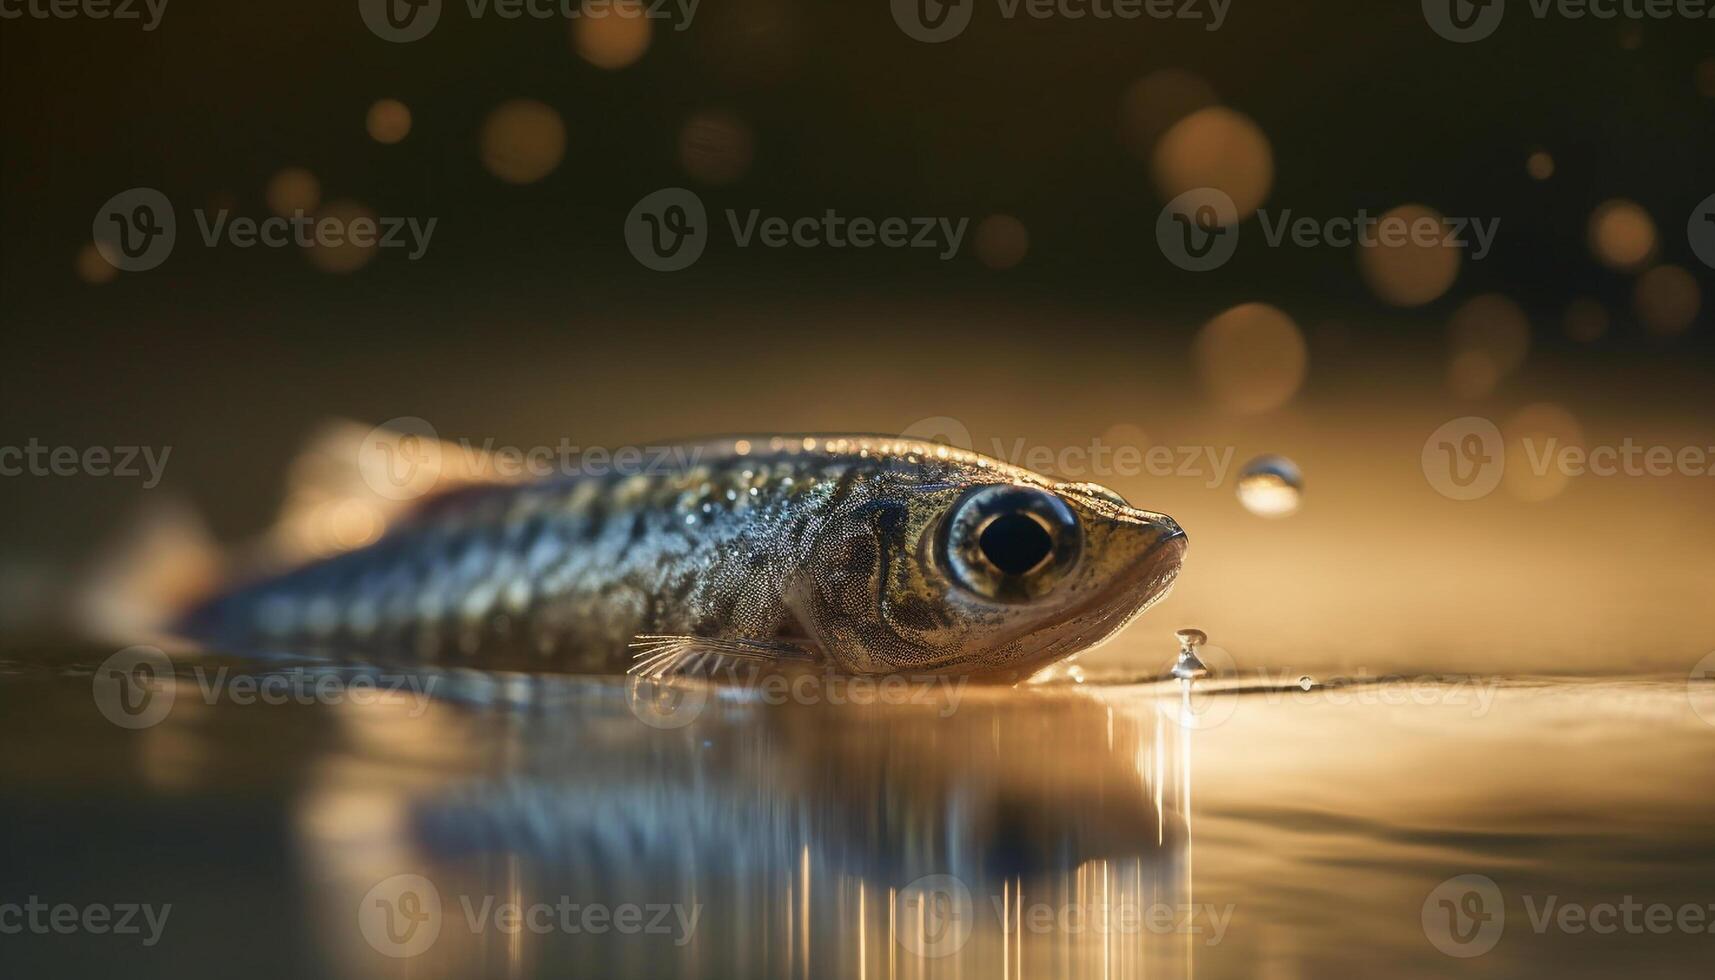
(1015, 543)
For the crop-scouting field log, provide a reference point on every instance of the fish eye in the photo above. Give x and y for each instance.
(1010, 543)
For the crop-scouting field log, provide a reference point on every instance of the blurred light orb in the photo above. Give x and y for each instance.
(1496, 329)
(715, 147)
(389, 121)
(1216, 147)
(292, 190)
(1472, 374)
(1536, 436)
(1001, 241)
(344, 255)
(1539, 165)
(1585, 320)
(611, 35)
(1414, 269)
(1622, 235)
(1271, 486)
(93, 267)
(1252, 358)
(1667, 299)
(1153, 103)
(523, 140)
(1706, 78)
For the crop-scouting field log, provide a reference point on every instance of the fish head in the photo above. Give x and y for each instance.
(989, 571)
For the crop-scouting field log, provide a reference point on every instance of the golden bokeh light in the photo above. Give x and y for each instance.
(93, 267)
(611, 35)
(1252, 358)
(1622, 235)
(1536, 436)
(389, 121)
(1216, 147)
(1706, 78)
(340, 253)
(1490, 336)
(1667, 299)
(292, 190)
(1586, 320)
(1153, 103)
(716, 147)
(1413, 268)
(1539, 165)
(1001, 241)
(523, 140)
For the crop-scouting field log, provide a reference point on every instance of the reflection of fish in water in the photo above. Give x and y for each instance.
(865, 554)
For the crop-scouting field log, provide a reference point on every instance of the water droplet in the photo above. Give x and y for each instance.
(1306, 682)
(1271, 486)
(1189, 665)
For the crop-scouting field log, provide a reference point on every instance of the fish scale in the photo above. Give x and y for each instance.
(825, 546)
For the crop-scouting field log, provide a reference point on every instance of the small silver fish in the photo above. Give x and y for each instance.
(861, 554)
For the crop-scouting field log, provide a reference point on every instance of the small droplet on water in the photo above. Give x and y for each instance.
(1306, 682)
(1271, 486)
(1189, 666)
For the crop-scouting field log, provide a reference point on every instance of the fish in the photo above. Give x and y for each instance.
(860, 554)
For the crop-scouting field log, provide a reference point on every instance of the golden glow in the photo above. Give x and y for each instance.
(1622, 235)
(344, 255)
(523, 141)
(389, 121)
(1534, 437)
(1153, 103)
(1216, 147)
(716, 147)
(92, 267)
(611, 36)
(1412, 269)
(1667, 299)
(1540, 165)
(1252, 358)
(292, 190)
(1490, 336)
(1001, 241)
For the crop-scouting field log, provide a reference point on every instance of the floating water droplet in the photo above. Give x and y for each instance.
(1271, 486)
(1189, 665)
(1306, 682)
